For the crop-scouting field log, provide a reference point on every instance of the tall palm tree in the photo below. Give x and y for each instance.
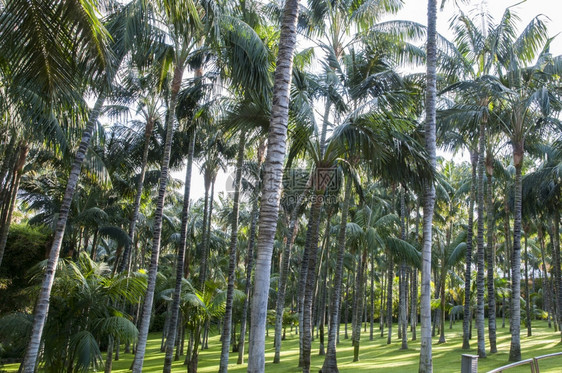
(525, 87)
(273, 165)
(426, 361)
(184, 23)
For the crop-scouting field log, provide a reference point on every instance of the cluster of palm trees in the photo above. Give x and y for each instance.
(337, 190)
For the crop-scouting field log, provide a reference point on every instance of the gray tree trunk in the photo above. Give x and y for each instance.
(173, 325)
(223, 368)
(468, 268)
(515, 320)
(330, 361)
(249, 264)
(491, 255)
(157, 230)
(426, 360)
(389, 289)
(480, 241)
(285, 260)
(272, 184)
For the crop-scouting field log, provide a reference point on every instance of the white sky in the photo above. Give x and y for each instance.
(416, 10)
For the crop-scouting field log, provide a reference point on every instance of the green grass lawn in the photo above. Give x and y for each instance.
(375, 356)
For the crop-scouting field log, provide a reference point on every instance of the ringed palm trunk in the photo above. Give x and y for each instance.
(136, 206)
(480, 252)
(269, 210)
(556, 255)
(359, 302)
(157, 230)
(280, 304)
(491, 255)
(426, 361)
(403, 291)
(227, 324)
(527, 295)
(389, 290)
(515, 322)
(31, 354)
(250, 263)
(468, 269)
(330, 362)
(312, 247)
(174, 317)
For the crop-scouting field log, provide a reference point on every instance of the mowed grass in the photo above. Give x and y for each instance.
(375, 356)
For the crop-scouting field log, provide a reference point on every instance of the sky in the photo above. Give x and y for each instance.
(416, 10)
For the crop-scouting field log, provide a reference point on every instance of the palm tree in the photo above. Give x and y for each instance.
(426, 362)
(525, 87)
(184, 25)
(269, 209)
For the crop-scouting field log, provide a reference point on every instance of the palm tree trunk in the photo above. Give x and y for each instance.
(414, 304)
(311, 246)
(491, 255)
(426, 361)
(557, 275)
(223, 368)
(389, 289)
(330, 362)
(173, 326)
(403, 292)
(545, 282)
(206, 217)
(280, 304)
(157, 230)
(480, 241)
(30, 360)
(527, 295)
(468, 268)
(272, 182)
(515, 321)
(249, 265)
(358, 311)
(372, 298)
(147, 134)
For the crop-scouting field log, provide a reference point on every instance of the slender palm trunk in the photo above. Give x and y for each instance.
(480, 241)
(157, 230)
(491, 255)
(426, 361)
(557, 275)
(515, 321)
(249, 264)
(226, 334)
(330, 362)
(174, 317)
(127, 252)
(206, 217)
(389, 289)
(372, 298)
(311, 246)
(468, 268)
(272, 183)
(280, 304)
(358, 302)
(42, 307)
(403, 292)
(527, 294)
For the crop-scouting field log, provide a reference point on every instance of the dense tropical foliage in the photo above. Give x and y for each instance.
(329, 117)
